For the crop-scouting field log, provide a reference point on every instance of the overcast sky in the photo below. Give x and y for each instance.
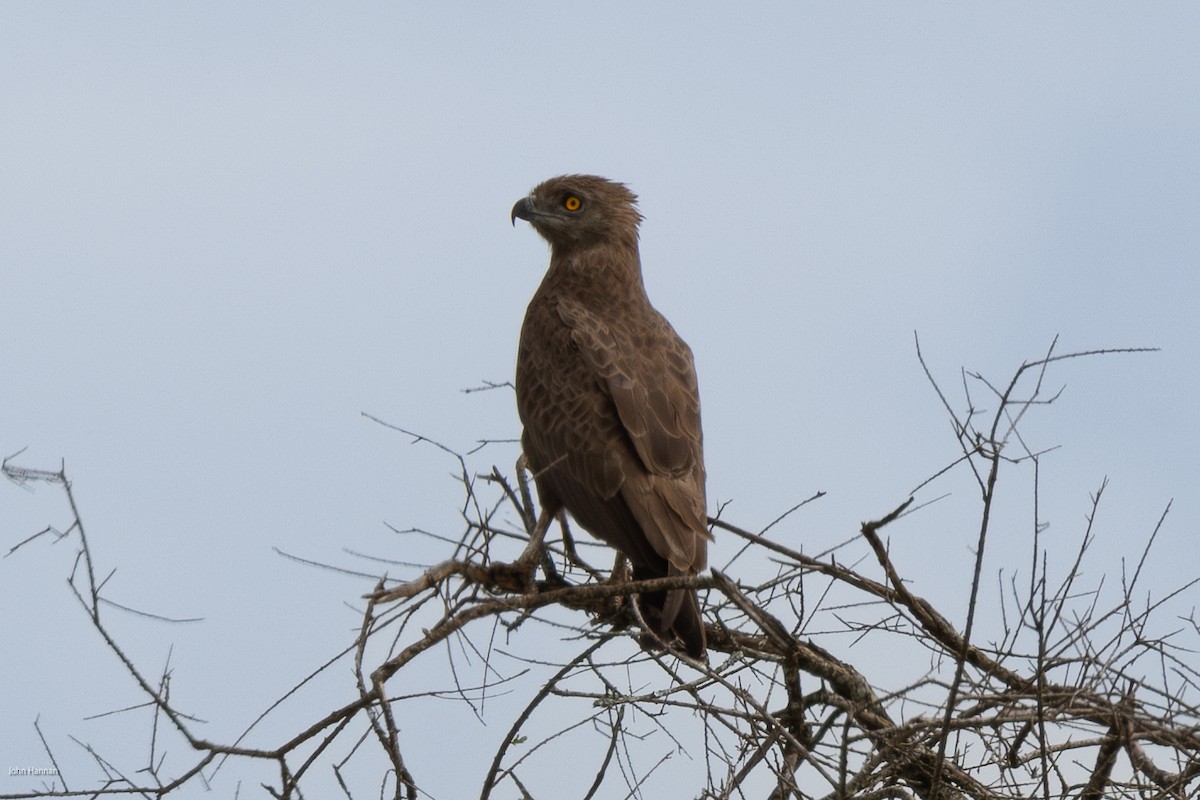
(227, 230)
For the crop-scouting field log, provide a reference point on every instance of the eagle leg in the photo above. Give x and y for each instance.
(517, 576)
(535, 553)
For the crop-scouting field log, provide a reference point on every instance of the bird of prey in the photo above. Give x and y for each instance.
(607, 394)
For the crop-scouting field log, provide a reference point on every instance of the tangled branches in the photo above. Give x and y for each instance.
(1057, 704)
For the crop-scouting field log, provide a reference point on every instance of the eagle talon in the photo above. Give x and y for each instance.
(515, 577)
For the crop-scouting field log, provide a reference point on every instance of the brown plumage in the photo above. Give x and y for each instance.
(607, 393)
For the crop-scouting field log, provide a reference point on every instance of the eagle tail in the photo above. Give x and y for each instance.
(688, 626)
(675, 617)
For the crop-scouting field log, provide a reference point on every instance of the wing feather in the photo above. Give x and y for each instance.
(652, 385)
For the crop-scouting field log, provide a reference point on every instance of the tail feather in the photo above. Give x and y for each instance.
(675, 615)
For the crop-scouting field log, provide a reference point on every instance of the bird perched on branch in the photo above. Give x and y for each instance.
(607, 394)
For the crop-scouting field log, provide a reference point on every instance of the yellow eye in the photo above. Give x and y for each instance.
(572, 203)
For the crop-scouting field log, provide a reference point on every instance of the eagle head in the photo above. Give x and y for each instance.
(574, 210)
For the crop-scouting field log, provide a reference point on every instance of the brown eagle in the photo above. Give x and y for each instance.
(607, 394)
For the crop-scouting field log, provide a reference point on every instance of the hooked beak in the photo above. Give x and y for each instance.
(522, 209)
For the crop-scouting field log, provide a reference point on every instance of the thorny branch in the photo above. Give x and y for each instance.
(1062, 705)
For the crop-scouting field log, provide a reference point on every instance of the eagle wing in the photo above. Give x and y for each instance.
(649, 376)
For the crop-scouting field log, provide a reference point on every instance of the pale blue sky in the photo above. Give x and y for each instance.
(225, 231)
